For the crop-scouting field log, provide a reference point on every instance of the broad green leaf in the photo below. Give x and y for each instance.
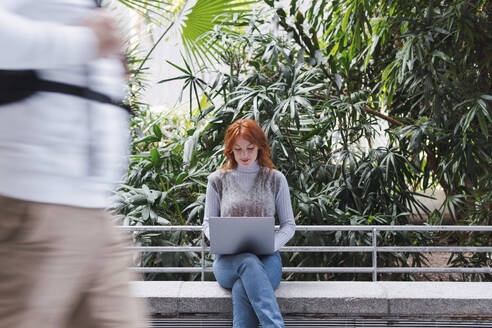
(157, 131)
(483, 124)
(154, 154)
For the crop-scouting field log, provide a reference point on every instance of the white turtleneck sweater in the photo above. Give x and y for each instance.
(245, 177)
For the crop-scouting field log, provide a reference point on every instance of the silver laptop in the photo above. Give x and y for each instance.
(233, 235)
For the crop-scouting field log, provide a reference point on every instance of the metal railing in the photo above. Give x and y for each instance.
(374, 249)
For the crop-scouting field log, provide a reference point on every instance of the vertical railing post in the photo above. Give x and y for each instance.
(203, 255)
(374, 255)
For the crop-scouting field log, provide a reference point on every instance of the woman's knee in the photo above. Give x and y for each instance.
(249, 261)
(225, 276)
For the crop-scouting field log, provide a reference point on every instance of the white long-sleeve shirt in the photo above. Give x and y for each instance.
(56, 148)
(34, 34)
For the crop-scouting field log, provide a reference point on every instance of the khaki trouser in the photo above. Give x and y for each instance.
(63, 266)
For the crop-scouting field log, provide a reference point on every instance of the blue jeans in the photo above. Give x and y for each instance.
(252, 279)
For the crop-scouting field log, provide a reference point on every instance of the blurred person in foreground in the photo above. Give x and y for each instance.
(62, 264)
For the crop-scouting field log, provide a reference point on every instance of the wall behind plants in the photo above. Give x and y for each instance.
(319, 78)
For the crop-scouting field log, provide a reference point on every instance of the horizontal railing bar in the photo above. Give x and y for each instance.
(167, 249)
(327, 269)
(437, 249)
(328, 228)
(177, 249)
(393, 228)
(333, 249)
(329, 249)
(432, 228)
(285, 269)
(169, 269)
(322, 270)
(433, 270)
(160, 228)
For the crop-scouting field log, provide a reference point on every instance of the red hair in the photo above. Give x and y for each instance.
(251, 131)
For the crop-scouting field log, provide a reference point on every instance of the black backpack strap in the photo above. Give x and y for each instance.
(78, 91)
(16, 85)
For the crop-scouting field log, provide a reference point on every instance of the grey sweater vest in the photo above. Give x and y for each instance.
(257, 201)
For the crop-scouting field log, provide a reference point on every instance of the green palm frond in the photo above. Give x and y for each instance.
(202, 17)
(193, 22)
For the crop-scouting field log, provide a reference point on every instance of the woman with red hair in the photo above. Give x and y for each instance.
(248, 185)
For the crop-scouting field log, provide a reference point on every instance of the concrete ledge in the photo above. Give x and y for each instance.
(328, 298)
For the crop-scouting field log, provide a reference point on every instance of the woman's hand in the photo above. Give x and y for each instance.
(107, 33)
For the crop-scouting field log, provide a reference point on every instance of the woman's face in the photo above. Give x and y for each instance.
(245, 152)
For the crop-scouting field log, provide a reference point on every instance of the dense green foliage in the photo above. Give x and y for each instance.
(366, 104)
